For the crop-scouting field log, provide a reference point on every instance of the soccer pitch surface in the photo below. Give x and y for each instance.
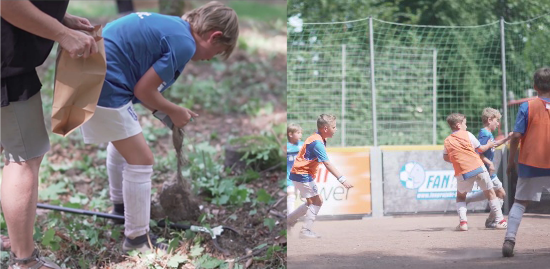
(419, 242)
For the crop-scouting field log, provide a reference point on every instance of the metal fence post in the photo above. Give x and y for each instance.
(373, 86)
(434, 101)
(506, 180)
(343, 121)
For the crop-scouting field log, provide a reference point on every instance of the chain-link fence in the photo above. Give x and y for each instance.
(395, 84)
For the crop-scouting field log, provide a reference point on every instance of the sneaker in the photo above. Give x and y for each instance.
(490, 224)
(463, 226)
(143, 244)
(307, 234)
(503, 224)
(508, 248)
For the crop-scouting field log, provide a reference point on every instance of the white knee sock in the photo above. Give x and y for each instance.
(496, 209)
(514, 219)
(296, 214)
(492, 214)
(475, 197)
(461, 209)
(310, 216)
(137, 199)
(290, 198)
(115, 166)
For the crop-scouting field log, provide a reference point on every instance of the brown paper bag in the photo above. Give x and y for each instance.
(78, 83)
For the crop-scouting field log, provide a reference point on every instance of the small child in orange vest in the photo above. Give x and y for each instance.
(304, 171)
(532, 130)
(462, 149)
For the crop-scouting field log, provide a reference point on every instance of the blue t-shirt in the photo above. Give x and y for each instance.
(291, 152)
(137, 42)
(484, 137)
(527, 171)
(314, 150)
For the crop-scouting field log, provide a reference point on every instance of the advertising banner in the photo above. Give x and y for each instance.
(354, 164)
(417, 179)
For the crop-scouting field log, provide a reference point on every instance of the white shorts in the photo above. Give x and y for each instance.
(530, 189)
(482, 179)
(306, 189)
(497, 184)
(111, 124)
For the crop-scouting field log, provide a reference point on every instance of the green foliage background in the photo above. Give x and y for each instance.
(466, 35)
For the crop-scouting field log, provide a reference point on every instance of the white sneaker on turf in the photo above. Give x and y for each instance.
(462, 226)
(307, 234)
(503, 224)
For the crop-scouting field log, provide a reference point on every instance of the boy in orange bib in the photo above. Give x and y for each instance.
(532, 131)
(462, 149)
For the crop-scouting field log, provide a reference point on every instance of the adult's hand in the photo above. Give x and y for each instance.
(77, 23)
(77, 44)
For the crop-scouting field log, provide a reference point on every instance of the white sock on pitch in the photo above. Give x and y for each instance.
(514, 219)
(290, 198)
(137, 199)
(115, 166)
(310, 216)
(297, 213)
(496, 209)
(461, 209)
(492, 214)
(475, 197)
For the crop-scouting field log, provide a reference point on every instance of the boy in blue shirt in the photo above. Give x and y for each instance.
(491, 121)
(293, 145)
(146, 53)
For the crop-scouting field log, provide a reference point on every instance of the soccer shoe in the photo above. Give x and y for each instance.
(508, 248)
(490, 224)
(503, 224)
(463, 226)
(307, 234)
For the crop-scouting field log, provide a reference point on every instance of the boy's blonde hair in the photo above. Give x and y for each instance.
(324, 120)
(292, 128)
(215, 16)
(455, 118)
(489, 113)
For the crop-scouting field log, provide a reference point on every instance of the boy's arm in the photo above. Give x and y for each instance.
(332, 169)
(488, 163)
(446, 157)
(146, 91)
(504, 140)
(514, 143)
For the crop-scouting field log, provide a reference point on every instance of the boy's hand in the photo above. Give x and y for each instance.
(347, 185)
(181, 116)
(491, 144)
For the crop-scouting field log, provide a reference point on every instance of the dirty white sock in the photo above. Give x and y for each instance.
(514, 219)
(137, 199)
(492, 214)
(310, 216)
(496, 209)
(461, 209)
(475, 197)
(115, 166)
(297, 213)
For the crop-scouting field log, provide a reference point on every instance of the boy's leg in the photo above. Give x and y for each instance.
(528, 189)
(307, 190)
(290, 197)
(461, 210)
(500, 194)
(475, 197)
(315, 204)
(136, 185)
(115, 167)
